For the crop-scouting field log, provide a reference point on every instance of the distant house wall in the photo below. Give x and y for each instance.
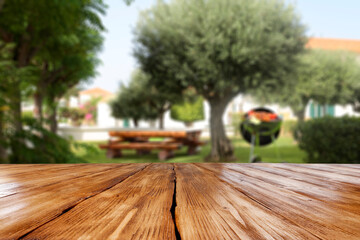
(86, 133)
(104, 118)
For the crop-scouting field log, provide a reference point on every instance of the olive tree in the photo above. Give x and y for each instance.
(219, 47)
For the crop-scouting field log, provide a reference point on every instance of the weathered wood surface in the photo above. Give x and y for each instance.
(25, 211)
(180, 201)
(137, 208)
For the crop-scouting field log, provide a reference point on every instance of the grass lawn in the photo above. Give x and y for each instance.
(288, 151)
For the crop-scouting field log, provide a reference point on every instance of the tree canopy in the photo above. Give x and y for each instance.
(50, 46)
(221, 48)
(133, 101)
(326, 77)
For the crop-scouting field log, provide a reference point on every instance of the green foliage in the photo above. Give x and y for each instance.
(218, 46)
(46, 48)
(354, 98)
(133, 101)
(327, 77)
(221, 48)
(330, 140)
(38, 145)
(188, 111)
(141, 100)
(76, 115)
(90, 110)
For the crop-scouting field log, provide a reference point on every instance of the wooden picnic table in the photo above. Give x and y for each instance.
(180, 201)
(139, 139)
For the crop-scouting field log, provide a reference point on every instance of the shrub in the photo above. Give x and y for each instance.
(330, 140)
(188, 111)
(36, 144)
(76, 115)
(90, 111)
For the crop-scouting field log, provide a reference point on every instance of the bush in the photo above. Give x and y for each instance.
(188, 111)
(36, 144)
(330, 140)
(76, 115)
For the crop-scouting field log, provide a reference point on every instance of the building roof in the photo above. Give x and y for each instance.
(334, 44)
(98, 92)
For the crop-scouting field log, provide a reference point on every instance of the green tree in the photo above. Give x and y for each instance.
(133, 101)
(221, 48)
(72, 64)
(188, 111)
(32, 25)
(326, 77)
(354, 98)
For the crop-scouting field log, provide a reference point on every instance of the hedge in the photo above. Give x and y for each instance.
(330, 140)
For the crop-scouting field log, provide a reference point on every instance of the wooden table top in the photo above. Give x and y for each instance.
(131, 133)
(180, 201)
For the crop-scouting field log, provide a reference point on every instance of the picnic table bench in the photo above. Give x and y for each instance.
(139, 140)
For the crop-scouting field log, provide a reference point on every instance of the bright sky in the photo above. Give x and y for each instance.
(324, 18)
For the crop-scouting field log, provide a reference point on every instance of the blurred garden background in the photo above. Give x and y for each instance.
(197, 65)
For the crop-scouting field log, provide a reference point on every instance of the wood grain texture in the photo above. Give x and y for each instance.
(324, 212)
(211, 209)
(211, 201)
(137, 208)
(22, 212)
(14, 180)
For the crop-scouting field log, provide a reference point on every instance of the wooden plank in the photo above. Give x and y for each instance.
(326, 175)
(211, 209)
(323, 219)
(339, 169)
(346, 199)
(12, 182)
(26, 211)
(138, 208)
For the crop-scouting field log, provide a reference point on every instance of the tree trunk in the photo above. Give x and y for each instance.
(221, 147)
(136, 123)
(2, 2)
(189, 124)
(16, 108)
(53, 120)
(300, 114)
(38, 109)
(3, 154)
(161, 120)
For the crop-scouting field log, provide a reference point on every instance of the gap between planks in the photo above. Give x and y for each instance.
(71, 207)
(171, 209)
(318, 233)
(71, 178)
